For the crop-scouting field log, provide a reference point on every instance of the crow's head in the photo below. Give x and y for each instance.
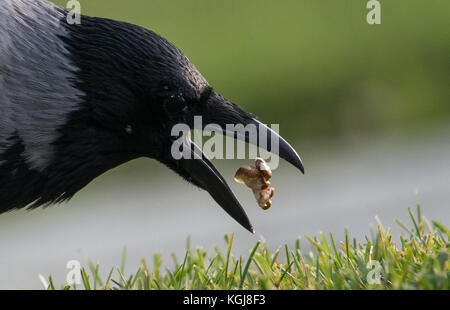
(133, 87)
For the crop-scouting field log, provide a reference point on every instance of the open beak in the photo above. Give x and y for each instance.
(203, 173)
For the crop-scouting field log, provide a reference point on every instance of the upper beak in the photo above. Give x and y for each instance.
(204, 174)
(265, 138)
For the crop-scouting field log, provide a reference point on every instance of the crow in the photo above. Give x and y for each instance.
(77, 100)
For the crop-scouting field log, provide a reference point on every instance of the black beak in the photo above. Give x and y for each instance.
(200, 171)
(203, 173)
(269, 140)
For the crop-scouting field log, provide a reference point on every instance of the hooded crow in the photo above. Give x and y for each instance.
(78, 100)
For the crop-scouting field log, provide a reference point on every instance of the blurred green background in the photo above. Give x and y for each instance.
(315, 67)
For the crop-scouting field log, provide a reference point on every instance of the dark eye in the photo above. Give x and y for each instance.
(175, 104)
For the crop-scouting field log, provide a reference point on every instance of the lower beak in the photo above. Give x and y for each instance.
(204, 174)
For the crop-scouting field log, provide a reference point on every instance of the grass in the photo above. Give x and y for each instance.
(420, 260)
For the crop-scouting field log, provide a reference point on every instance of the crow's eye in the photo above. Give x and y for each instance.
(175, 104)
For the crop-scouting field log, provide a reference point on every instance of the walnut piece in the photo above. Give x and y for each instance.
(257, 178)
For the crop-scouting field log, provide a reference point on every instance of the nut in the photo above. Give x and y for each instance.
(257, 178)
